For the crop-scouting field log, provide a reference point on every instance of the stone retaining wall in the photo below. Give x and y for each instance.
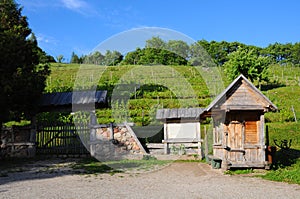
(16, 142)
(114, 143)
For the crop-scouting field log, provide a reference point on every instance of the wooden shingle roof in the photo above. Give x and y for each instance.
(77, 98)
(241, 94)
(179, 113)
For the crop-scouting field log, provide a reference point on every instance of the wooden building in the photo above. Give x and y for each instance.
(181, 127)
(239, 125)
(73, 101)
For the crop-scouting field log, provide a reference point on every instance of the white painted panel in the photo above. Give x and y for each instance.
(183, 130)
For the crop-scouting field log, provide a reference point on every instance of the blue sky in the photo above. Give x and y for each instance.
(64, 26)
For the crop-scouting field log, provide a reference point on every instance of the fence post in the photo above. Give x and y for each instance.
(206, 142)
(92, 133)
(111, 131)
(33, 129)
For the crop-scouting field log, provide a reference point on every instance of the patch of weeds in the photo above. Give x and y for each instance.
(239, 172)
(287, 174)
(149, 157)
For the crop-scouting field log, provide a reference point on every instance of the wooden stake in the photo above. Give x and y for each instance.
(206, 142)
(294, 113)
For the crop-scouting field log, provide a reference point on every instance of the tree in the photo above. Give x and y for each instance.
(296, 53)
(43, 57)
(246, 61)
(156, 42)
(60, 58)
(112, 58)
(179, 47)
(280, 53)
(132, 58)
(22, 78)
(75, 59)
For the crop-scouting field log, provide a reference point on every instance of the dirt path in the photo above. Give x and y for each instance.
(178, 180)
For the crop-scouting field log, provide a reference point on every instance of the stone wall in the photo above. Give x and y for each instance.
(114, 143)
(16, 142)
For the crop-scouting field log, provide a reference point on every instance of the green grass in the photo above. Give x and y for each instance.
(239, 172)
(290, 174)
(283, 91)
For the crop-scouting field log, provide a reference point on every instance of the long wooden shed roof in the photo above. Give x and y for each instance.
(67, 99)
(179, 113)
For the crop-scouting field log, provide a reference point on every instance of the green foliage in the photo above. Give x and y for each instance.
(75, 59)
(110, 58)
(153, 56)
(287, 174)
(285, 98)
(239, 172)
(156, 42)
(248, 63)
(22, 78)
(60, 58)
(149, 157)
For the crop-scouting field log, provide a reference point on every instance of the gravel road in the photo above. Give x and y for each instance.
(177, 180)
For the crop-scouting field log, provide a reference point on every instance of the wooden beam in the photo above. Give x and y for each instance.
(182, 140)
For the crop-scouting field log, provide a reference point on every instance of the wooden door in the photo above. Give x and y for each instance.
(235, 141)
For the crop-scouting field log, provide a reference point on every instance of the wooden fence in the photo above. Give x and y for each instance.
(60, 139)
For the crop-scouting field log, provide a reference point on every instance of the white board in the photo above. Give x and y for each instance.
(183, 130)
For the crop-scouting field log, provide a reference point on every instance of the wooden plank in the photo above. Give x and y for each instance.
(155, 145)
(182, 140)
(20, 144)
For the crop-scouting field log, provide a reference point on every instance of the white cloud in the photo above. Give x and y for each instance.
(44, 39)
(79, 6)
(74, 4)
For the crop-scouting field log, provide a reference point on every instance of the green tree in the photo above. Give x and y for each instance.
(60, 58)
(43, 57)
(279, 53)
(75, 59)
(22, 78)
(132, 58)
(112, 58)
(156, 42)
(246, 61)
(296, 53)
(179, 47)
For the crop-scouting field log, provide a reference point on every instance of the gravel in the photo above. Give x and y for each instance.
(177, 180)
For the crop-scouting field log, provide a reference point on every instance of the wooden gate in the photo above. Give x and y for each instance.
(60, 139)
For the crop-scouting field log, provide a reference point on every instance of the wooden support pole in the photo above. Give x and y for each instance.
(166, 144)
(206, 142)
(92, 133)
(111, 127)
(32, 139)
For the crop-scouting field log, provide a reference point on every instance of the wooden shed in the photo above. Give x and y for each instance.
(181, 127)
(239, 125)
(73, 101)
